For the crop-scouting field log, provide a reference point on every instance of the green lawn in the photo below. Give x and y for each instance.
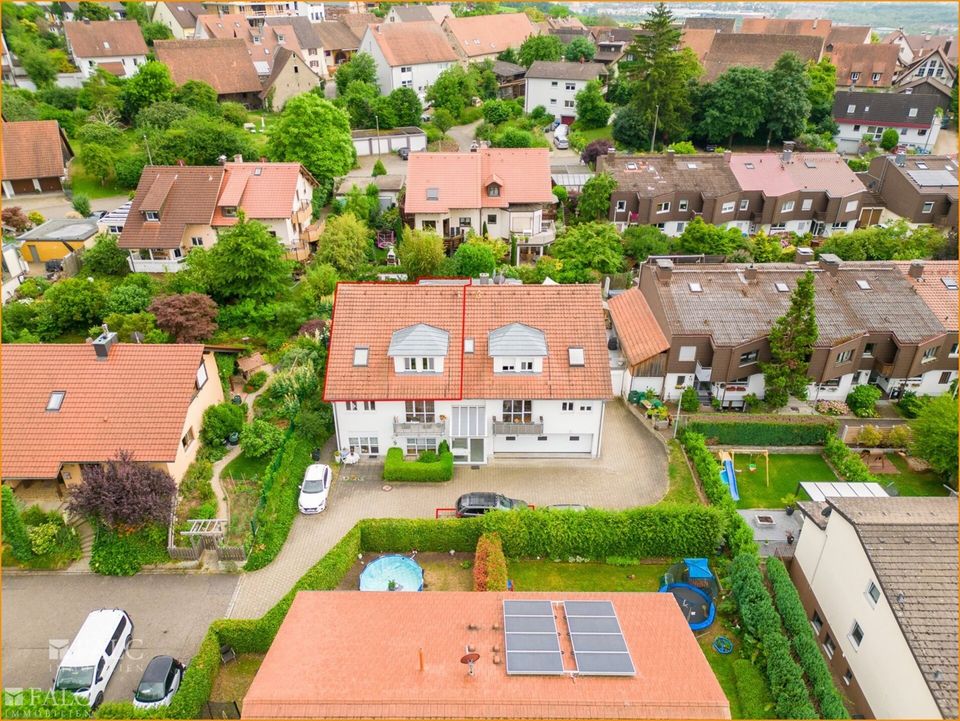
(912, 483)
(682, 487)
(243, 467)
(604, 133)
(786, 472)
(552, 576)
(83, 184)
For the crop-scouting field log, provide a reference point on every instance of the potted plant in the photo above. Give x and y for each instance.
(789, 501)
(391, 585)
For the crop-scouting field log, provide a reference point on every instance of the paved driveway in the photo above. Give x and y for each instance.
(43, 612)
(631, 471)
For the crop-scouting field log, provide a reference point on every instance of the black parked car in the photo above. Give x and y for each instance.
(159, 683)
(54, 266)
(404, 153)
(476, 504)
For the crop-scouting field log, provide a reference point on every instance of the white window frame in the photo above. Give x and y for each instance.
(682, 205)
(745, 204)
(201, 375)
(365, 444)
(927, 208)
(807, 204)
(868, 593)
(851, 206)
(569, 104)
(419, 445)
(844, 357)
(420, 411)
(663, 207)
(687, 353)
(361, 356)
(854, 77)
(569, 86)
(55, 402)
(621, 206)
(875, 77)
(728, 207)
(929, 355)
(954, 351)
(151, 216)
(567, 407)
(787, 206)
(749, 358)
(586, 407)
(853, 640)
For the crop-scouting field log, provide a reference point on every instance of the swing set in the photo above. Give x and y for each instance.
(752, 466)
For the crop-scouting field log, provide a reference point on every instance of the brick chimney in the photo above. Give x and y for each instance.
(803, 255)
(750, 272)
(664, 269)
(830, 263)
(916, 269)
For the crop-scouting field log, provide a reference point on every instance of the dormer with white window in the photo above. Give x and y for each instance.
(493, 185)
(517, 348)
(419, 348)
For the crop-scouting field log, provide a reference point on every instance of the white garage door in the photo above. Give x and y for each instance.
(553, 443)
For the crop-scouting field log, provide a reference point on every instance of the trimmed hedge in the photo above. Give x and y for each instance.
(421, 534)
(847, 463)
(117, 553)
(804, 644)
(37, 703)
(752, 690)
(398, 470)
(14, 529)
(762, 621)
(765, 433)
(489, 565)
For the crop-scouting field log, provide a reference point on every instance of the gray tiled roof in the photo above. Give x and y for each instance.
(884, 107)
(652, 175)
(912, 546)
(543, 69)
(734, 311)
(419, 340)
(517, 339)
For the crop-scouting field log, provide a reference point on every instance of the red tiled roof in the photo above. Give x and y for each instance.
(365, 663)
(234, 25)
(786, 26)
(460, 177)
(271, 194)
(699, 40)
(136, 400)
(225, 65)
(105, 38)
(940, 299)
(413, 43)
(489, 34)
(113, 68)
(34, 149)
(640, 335)
(865, 59)
(825, 172)
(367, 314)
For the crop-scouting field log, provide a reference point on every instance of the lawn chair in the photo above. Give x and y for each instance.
(227, 654)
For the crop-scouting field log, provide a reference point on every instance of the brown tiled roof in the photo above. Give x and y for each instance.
(184, 196)
(912, 546)
(486, 34)
(461, 179)
(923, 45)
(412, 43)
(866, 60)
(136, 400)
(366, 664)
(640, 335)
(335, 35)
(33, 149)
(269, 195)
(114, 69)
(785, 26)
(852, 34)
(358, 22)
(733, 310)
(651, 175)
(306, 31)
(225, 65)
(699, 40)
(367, 314)
(105, 38)
(414, 13)
(185, 13)
(262, 42)
(545, 69)
(605, 34)
(931, 288)
(721, 25)
(756, 51)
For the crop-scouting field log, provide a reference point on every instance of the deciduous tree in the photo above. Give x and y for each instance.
(345, 244)
(246, 263)
(361, 67)
(151, 84)
(187, 318)
(935, 434)
(735, 104)
(595, 198)
(642, 241)
(580, 50)
(97, 161)
(406, 107)
(592, 110)
(822, 79)
(472, 259)
(421, 253)
(540, 47)
(198, 96)
(791, 345)
(587, 251)
(699, 237)
(452, 90)
(788, 106)
(106, 257)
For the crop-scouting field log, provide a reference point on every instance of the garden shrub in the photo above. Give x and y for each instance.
(812, 432)
(862, 400)
(421, 534)
(124, 552)
(899, 436)
(755, 700)
(14, 529)
(220, 421)
(804, 644)
(489, 565)
(197, 682)
(910, 403)
(43, 537)
(260, 438)
(847, 463)
(256, 381)
(226, 363)
(396, 469)
(196, 481)
(762, 621)
(38, 703)
(870, 436)
(689, 400)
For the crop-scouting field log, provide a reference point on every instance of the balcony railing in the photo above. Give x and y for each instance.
(526, 428)
(417, 429)
(547, 235)
(702, 374)
(139, 265)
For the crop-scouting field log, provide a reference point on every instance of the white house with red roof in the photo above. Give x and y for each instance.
(504, 190)
(408, 55)
(493, 370)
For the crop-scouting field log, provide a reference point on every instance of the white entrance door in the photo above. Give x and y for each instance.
(476, 451)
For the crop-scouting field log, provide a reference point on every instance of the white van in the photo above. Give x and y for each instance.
(560, 138)
(94, 655)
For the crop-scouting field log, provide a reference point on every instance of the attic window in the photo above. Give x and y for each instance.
(781, 287)
(695, 287)
(56, 400)
(106, 45)
(468, 345)
(280, 38)
(863, 285)
(949, 283)
(692, 166)
(576, 356)
(851, 108)
(493, 190)
(913, 112)
(230, 211)
(151, 215)
(256, 39)
(631, 166)
(360, 354)
(748, 166)
(921, 165)
(809, 164)
(433, 193)
(258, 171)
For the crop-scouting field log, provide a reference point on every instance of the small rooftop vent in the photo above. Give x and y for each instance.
(748, 166)
(809, 163)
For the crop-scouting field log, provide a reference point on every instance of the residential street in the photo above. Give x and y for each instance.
(42, 613)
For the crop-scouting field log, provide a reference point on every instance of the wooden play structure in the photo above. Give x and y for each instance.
(752, 467)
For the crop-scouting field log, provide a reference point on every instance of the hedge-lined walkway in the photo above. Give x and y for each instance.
(631, 471)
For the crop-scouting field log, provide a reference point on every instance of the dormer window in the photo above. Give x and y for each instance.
(256, 39)
(419, 348)
(152, 216)
(55, 401)
(517, 348)
(230, 211)
(493, 190)
(424, 364)
(280, 38)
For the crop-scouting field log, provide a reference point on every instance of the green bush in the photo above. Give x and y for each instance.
(804, 644)
(755, 700)
(256, 381)
(870, 436)
(862, 400)
(421, 534)
(43, 537)
(489, 564)
(220, 421)
(14, 529)
(196, 481)
(37, 703)
(260, 438)
(847, 463)
(762, 621)
(900, 436)
(689, 400)
(226, 363)
(124, 553)
(812, 432)
(910, 403)
(396, 469)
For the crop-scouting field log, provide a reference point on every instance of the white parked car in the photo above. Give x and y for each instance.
(94, 655)
(314, 489)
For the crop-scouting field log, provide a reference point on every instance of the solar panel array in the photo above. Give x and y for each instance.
(598, 644)
(532, 641)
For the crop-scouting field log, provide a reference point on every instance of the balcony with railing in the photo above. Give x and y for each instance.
(702, 374)
(155, 265)
(547, 235)
(419, 429)
(517, 426)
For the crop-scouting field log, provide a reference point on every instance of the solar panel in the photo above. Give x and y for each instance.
(528, 608)
(589, 608)
(588, 624)
(599, 642)
(605, 664)
(531, 640)
(528, 624)
(534, 663)
(599, 647)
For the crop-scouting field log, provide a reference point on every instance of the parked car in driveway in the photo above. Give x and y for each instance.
(160, 681)
(314, 489)
(478, 503)
(94, 655)
(404, 153)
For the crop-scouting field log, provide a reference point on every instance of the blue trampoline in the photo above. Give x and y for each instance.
(404, 573)
(694, 587)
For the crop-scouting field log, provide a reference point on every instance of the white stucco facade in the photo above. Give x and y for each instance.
(922, 138)
(931, 383)
(390, 77)
(131, 63)
(556, 95)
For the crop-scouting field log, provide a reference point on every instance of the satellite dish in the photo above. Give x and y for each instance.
(469, 660)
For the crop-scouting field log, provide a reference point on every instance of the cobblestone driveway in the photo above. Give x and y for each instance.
(631, 471)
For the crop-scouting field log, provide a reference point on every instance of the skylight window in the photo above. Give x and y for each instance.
(258, 171)
(468, 345)
(921, 165)
(748, 166)
(433, 193)
(781, 287)
(809, 164)
(576, 356)
(692, 166)
(56, 400)
(360, 355)
(863, 285)
(695, 287)
(949, 283)
(631, 166)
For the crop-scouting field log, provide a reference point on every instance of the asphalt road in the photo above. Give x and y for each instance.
(42, 613)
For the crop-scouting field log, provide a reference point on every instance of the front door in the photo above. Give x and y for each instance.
(476, 450)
